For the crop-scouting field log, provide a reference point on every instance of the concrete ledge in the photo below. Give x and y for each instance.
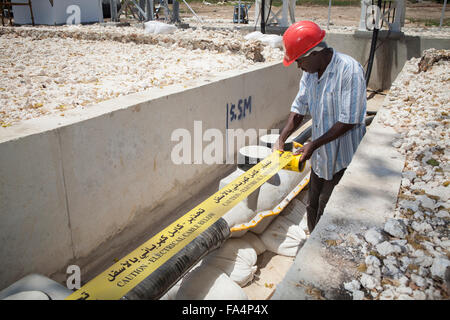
(365, 197)
(69, 185)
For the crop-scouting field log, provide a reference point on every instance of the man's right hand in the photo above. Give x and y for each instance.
(279, 145)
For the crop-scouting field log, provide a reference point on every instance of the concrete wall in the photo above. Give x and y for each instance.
(393, 51)
(69, 184)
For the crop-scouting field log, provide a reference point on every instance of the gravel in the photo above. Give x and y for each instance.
(413, 262)
(48, 70)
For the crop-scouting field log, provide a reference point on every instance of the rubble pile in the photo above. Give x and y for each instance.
(410, 257)
(48, 70)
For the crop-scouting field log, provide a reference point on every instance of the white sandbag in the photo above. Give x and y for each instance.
(277, 188)
(157, 27)
(241, 213)
(238, 215)
(272, 40)
(237, 258)
(283, 237)
(256, 35)
(255, 242)
(28, 295)
(263, 224)
(294, 211)
(209, 283)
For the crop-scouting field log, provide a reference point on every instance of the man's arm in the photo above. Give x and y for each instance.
(335, 132)
(292, 124)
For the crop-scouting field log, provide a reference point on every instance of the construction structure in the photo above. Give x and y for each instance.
(100, 189)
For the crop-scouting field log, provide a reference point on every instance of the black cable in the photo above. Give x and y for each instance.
(263, 22)
(372, 48)
(270, 10)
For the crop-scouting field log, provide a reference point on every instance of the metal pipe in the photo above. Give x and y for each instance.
(165, 277)
(442, 14)
(372, 48)
(263, 20)
(329, 15)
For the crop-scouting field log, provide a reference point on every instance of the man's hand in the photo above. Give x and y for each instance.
(306, 151)
(279, 145)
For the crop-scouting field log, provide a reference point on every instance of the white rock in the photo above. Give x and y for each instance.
(438, 191)
(352, 285)
(404, 297)
(387, 295)
(396, 228)
(403, 280)
(421, 227)
(442, 214)
(373, 236)
(445, 244)
(407, 204)
(410, 175)
(372, 261)
(406, 183)
(385, 248)
(358, 295)
(418, 280)
(439, 266)
(404, 290)
(424, 261)
(426, 202)
(419, 295)
(368, 281)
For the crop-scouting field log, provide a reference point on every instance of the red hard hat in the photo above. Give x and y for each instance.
(299, 38)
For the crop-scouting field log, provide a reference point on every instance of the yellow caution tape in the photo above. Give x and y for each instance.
(275, 211)
(128, 272)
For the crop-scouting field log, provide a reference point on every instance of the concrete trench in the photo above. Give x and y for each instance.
(48, 144)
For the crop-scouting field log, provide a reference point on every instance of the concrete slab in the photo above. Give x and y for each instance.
(365, 197)
(271, 270)
(35, 227)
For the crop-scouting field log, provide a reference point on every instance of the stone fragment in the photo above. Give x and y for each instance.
(352, 285)
(419, 295)
(439, 267)
(421, 227)
(358, 295)
(418, 280)
(368, 281)
(396, 228)
(385, 248)
(373, 236)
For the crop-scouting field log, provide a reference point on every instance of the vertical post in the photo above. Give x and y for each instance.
(399, 16)
(284, 15)
(329, 15)
(142, 16)
(239, 12)
(442, 14)
(263, 20)
(2, 12)
(149, 10)
(113, 9)
(175, 11)
(362, 19)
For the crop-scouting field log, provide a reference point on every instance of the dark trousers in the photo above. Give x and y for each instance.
(318, 196)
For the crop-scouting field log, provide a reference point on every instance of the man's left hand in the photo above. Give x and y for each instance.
(306, 151)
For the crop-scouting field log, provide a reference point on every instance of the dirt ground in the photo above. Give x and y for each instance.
(417, 14)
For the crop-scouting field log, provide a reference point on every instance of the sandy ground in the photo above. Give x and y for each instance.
(48, 70)
(340, 15)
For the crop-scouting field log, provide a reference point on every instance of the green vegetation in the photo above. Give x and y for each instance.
(429, 22)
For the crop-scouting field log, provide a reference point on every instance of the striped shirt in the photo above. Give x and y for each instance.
(339, 95)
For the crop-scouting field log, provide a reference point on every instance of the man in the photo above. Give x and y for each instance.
(333, 91)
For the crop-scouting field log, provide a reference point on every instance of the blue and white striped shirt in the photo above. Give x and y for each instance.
(339, 95)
